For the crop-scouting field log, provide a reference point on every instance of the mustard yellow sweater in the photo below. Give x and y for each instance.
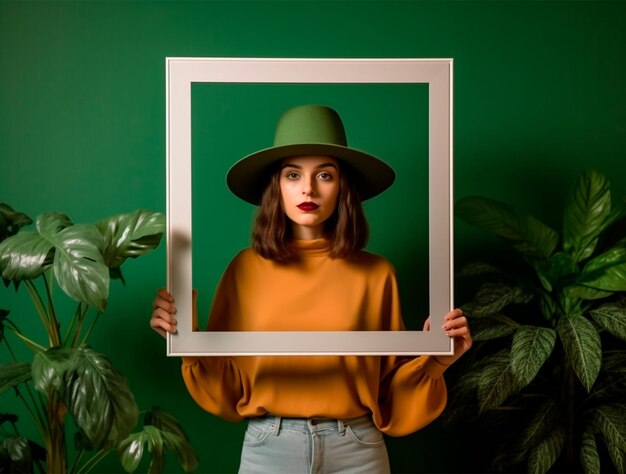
(315, 293)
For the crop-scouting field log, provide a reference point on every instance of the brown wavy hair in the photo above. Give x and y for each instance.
(347, 229)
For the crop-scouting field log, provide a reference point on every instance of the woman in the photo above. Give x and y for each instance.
(306, 270)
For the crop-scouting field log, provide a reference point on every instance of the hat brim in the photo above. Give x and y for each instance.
(248, 177)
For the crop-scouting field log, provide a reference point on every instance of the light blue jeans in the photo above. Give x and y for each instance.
(313, 446)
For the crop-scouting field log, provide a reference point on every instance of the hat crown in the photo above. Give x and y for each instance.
(310, 124)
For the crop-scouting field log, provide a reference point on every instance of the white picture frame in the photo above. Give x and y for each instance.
(181, 73)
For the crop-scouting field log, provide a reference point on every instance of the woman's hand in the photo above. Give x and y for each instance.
(163, 311)
(455, 326)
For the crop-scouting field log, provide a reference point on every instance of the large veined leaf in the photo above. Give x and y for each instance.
(477, 268)
(24, 256)
(611, 422)
(13, 374)
(51, 223)
(530, 348)
(585, 292)
(612, 317)
(606, 271)
(586, 210)
(542, 422)
(96, 395)
(50, 369)
(130, 235)
(131, 450)
(582, 346)
(545, 454)
(79, 267)
(99, 398)
(496, 382)
(589, 456)
(492, 327)
(493, 297)
(75, 251)
(560, 271)
(11, 221)
(180, 444)
(527, 235)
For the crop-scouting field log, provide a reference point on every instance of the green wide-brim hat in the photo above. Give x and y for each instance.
(308, 130)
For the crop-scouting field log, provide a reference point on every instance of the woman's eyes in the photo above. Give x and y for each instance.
(323, 176)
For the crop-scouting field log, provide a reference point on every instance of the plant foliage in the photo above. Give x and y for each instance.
(70, 376)
(549, 365)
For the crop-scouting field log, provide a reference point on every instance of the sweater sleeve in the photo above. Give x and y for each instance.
(216, 383)
(411, 395)
(412, 391)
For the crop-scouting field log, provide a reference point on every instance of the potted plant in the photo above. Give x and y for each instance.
(548, 370)
(67, 377)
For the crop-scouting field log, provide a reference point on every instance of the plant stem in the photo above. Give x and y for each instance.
(56, 456)
(81, 321)
(77, 461)
(92, 462)
(31, 344)
(39, 419)
(39, 306)
(55, 326)
(91, 327)
(72, 324)
(34, 413)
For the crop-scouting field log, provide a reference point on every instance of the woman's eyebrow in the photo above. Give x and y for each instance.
(322, 165)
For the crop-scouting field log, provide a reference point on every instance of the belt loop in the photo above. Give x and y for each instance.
(342, 427)
(276, 428)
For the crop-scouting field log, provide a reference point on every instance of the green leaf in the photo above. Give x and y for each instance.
(50, 369)
(585, 292)
(541, 422)
(606, 271)
(11, 221)
(589, 456)
(611, 422)
(19, 451)
(179, 443)
(561, 271)
(98, 397)
(131, 450)
(526, 234)
(586, 210)
(477, 268)
(13, 374)
(24, 256)
(493, 297)
(545, 454)
(496, 382)
(79, 267)
(581, 343)
(492, 326)
(130, 235)
(530, 348)
(612, 317)
(51, 223)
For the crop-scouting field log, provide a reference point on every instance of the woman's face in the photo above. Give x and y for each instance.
(309, 187)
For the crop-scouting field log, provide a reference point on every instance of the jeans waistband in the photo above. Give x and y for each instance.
(314, 424)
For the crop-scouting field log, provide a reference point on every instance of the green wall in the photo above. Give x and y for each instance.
(539, 96)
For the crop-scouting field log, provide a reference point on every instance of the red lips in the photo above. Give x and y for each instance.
(307, 206)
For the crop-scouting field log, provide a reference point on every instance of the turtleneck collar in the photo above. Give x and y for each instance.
(310, 248)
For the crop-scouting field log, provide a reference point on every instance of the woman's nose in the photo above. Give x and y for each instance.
(308, 187)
